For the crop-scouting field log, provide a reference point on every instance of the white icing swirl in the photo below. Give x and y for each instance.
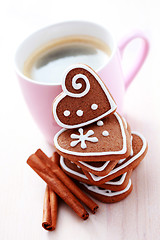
(77, 86)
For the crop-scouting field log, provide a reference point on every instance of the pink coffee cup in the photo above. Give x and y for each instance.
(39, 96)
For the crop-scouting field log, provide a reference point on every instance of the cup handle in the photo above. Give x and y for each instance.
(142, 54)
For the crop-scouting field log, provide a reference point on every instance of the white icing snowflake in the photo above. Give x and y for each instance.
(82, 138)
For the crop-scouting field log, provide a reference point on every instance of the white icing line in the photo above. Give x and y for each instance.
(122, 151)
(119, 182)
(59, 98)
(131, 147)
(122, 160)
(95, 168)
(125, 122)
(104, 191)
(67, 169)
(131, 154)
(98, 178)
(129, 161)
(64, 166)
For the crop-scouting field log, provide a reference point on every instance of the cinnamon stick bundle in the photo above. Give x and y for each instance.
(66, 180)
(49, 209)
(41, 168)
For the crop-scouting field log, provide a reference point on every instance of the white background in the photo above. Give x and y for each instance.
(21, 196)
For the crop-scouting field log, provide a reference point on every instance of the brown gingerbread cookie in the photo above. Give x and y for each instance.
(84, 100)
(107, 139)
(74, 171)
(105, 195)
(97, 168)
(139, 150)
(100, 168)
(119, 183)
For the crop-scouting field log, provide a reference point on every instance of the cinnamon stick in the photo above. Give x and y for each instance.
(49, 210)
(55, 158)
(50, 207)
(66, 180)
(41, 168)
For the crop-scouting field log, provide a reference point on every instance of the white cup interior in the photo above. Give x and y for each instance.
(45, 35)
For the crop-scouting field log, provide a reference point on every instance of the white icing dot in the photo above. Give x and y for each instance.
(94, 106)
(79, 113)
(105, 133)
(66, 113)
(100, 123)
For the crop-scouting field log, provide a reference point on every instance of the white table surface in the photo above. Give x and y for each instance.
(21, 197)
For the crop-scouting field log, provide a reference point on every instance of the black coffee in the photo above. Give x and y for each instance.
(48, 63)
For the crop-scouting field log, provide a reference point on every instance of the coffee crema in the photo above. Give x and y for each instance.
(48, 63)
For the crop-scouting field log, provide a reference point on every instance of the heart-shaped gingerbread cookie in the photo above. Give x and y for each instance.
(106, 195)
(139, 150)
(75, 172)
(101, 168)
(104, 140)
(84, 100)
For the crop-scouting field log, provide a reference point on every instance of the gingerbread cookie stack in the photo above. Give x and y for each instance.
(96, 144)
